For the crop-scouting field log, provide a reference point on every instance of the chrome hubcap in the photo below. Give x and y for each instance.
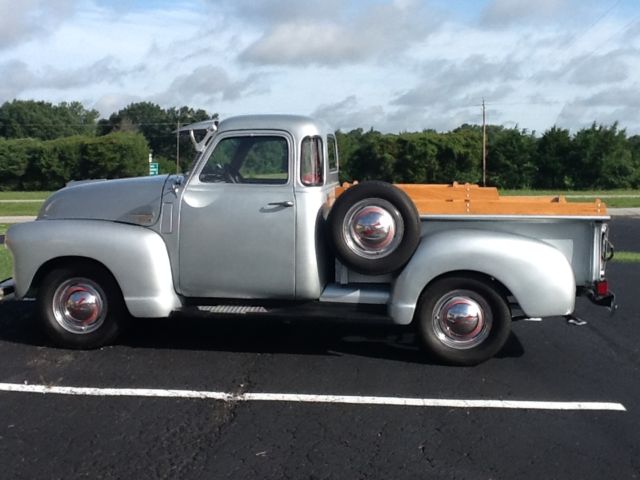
(79, 305)
(460, 321)
(373, 228)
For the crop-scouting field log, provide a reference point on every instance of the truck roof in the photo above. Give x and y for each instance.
(300, 126)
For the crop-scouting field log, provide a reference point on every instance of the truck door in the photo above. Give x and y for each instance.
(237, 227)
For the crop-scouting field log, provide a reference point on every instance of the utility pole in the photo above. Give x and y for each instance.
(178, 148)
(484, 144)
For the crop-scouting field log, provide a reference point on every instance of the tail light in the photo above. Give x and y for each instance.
(602, 288)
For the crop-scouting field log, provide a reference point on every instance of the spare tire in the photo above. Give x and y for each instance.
(374, 228)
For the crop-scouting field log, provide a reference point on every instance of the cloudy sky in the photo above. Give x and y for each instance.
(388, 64)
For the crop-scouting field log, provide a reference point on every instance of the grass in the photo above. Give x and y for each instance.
(613, 198)
(21, 203)
(627, 257)
(24, 195)
(6, 263)
(18, 209)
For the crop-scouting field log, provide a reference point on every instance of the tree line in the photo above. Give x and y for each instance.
(597, 157)
(43, 146)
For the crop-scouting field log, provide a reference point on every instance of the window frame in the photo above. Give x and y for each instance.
(332, 138)
(195, 176)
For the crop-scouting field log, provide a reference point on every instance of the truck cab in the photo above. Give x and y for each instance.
(248, 215)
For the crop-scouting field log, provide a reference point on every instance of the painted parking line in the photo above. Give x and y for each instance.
(306, 398)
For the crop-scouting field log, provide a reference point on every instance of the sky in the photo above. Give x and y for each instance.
(391, 65)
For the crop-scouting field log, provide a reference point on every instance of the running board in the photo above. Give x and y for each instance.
(232, 309)
(314, 310)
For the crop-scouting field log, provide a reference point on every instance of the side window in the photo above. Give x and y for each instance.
(311, 162)
(332, 152)
(248, 159)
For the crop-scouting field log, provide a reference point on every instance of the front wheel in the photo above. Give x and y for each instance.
(463, 321)
(80, 306)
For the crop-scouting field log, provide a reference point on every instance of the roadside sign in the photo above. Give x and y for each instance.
(153, 168)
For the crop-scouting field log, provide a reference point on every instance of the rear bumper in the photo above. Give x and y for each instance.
(7, 289)
(608, 300)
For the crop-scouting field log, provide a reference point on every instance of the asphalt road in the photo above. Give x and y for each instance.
(59, 436)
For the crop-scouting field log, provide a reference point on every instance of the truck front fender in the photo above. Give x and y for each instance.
(537, 274)
(136, 256)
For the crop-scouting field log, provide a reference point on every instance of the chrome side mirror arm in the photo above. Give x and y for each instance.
(210, 127)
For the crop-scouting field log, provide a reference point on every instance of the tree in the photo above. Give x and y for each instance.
(32, 164)
(552, 160)
(602, 158)
(511, 157)
(459, 156)
(14, 160)
(347, 144)
(416, 157)
(158, 126)
(43, 120)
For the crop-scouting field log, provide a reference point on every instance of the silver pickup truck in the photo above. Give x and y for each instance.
(261, 225)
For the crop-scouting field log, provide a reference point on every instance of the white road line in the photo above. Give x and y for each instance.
(305, 398)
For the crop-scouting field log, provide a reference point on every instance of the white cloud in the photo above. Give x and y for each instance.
(349, 114)
(506, 12)
(604, 106)
(21, 78)
(445, 83)
(208, 82)
(382, 30)
(601, 69)
(25, 19)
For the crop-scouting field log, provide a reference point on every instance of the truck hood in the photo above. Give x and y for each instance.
(131, 200)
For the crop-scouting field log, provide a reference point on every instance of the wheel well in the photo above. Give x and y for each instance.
(490, 281)
(59, 262)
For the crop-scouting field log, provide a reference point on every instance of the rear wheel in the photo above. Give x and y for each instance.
(81, 306)
(463, 321)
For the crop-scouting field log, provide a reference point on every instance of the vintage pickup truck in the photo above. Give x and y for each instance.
(261, 225)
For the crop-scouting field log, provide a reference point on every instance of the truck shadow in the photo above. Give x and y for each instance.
(248, 334)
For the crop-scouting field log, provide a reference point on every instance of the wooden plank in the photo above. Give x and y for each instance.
(469, 199)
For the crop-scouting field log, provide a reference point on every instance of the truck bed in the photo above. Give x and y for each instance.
(578, 230)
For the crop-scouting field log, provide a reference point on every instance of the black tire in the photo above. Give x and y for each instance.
(463, 343)
(402, 210)
(98, 315)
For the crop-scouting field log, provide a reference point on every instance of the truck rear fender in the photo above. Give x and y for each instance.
(537, 274)
(136, 257)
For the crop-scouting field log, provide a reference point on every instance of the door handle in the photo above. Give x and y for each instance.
(287, 203)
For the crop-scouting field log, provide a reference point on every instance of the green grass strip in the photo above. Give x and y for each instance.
(24, 195)
(19, 209)
(627, 257)
(6, 263)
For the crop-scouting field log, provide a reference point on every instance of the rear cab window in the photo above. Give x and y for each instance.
(312, 162)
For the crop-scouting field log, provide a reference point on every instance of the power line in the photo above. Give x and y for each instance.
(576, 37)
(600, 46)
